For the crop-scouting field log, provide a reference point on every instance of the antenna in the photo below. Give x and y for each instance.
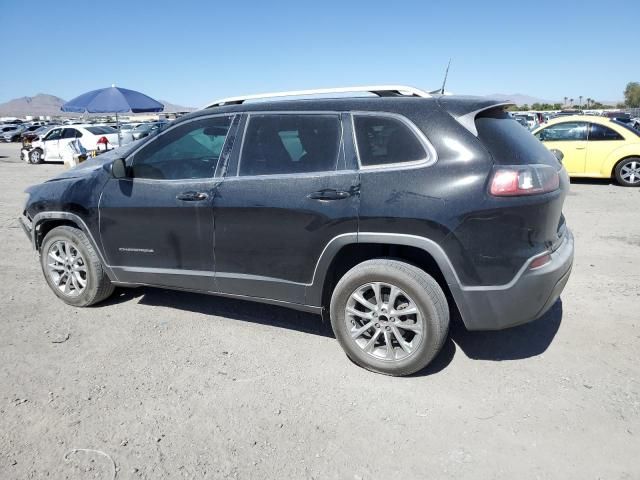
(446, 74)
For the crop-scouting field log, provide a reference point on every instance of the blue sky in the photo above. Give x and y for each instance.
(189, 52)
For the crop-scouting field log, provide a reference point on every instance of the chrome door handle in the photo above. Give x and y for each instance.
(192, 196)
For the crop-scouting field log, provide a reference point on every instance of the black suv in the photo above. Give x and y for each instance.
(385, 211)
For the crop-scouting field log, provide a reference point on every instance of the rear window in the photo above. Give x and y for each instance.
(384, 140)
(508, 142)
(100, 130)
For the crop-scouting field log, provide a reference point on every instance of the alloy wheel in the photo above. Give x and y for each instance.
(384, 321)
(67, 268)
(630, 172)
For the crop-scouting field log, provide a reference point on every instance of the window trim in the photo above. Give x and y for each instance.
(430, 159)
(215, 177)
(587, 129)
(591, 124)
(290, 112)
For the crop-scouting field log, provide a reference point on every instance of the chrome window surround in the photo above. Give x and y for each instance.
(430, 159)
(130, 158)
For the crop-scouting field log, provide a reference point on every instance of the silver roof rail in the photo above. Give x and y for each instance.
(380, 90)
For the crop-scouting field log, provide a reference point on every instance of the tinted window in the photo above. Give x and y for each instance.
(277, 144)
(71, 133)
(385, 140)
(600, 132)
(101, 130)
(567, 131)
(190, 150)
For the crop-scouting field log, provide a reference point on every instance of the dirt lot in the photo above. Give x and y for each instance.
(176, 385)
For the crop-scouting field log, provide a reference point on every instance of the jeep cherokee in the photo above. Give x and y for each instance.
(385, 211)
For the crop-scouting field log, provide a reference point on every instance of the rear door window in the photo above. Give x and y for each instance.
(71, 133)
(383, 141)
(290, 143)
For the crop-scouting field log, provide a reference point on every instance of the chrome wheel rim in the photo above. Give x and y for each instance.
(630, 172)
(35, 156)
(384, 321)
(67, 268)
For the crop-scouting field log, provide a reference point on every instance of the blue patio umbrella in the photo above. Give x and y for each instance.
(112, 100)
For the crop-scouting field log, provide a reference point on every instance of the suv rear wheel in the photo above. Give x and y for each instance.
(72, 267)
(390, 317)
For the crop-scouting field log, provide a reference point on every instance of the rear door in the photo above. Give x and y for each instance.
(286, 195)
(570, 138)
(157, 225)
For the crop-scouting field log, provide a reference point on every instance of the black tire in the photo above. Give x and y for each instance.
(628, 163)
(426, 295)
(35, 156)
(98, 286)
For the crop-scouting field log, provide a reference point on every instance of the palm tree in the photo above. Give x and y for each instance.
(580, 104)
(571, 102)
(565, 100)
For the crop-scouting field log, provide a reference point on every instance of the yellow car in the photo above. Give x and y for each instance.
(596, 147)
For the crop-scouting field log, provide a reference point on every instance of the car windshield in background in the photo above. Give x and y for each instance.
(627, 126)
(101, 130)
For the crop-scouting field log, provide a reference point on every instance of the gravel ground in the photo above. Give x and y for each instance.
(176, 385)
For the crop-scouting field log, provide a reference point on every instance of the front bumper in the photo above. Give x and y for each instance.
(524, 299)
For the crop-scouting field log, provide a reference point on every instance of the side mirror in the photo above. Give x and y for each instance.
(559, 155)
(119, 168)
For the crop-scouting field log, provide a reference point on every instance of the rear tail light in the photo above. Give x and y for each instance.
(103, 140)
(517, 180)
(540, 261)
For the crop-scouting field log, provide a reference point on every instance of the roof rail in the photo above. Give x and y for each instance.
(380, 90)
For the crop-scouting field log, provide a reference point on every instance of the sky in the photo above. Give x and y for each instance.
(190, 52)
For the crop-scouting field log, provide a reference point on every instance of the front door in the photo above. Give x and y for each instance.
(283, 200)
(570, 138)
(157, 226)
(50, 149)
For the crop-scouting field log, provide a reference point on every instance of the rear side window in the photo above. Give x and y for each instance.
(385, 140)
(71, 133)
(562, 132)
(289, 143)
(101, 130)
(600, 132)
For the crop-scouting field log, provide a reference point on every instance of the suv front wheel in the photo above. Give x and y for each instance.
(389, 316)
(72, 267)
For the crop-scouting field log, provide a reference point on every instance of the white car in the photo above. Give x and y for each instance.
(53, 146)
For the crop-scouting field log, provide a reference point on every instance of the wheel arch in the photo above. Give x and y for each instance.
(44, 222)
(344, 253)
(614, 164)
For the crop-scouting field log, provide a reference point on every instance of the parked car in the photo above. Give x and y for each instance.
(51, 146)
(527, 119)
(11, 133)
(596, 147)
(28, 137)
(383, 213)
(146, 129)
(521, 120)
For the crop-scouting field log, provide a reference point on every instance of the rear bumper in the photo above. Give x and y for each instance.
(525, 298)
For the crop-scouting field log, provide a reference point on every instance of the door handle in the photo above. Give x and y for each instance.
(192, 196)
(580, 148)
(329, 194)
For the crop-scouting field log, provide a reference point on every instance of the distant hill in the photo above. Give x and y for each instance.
(45, 104)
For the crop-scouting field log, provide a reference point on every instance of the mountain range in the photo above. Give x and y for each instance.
(44, 104)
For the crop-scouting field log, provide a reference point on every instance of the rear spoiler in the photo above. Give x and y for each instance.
(465, 109)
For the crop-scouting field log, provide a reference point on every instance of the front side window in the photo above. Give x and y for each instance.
(566, 131)
(54, 134)
(599, 132)
(289, 143)
(190, 150)
(385, 140)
